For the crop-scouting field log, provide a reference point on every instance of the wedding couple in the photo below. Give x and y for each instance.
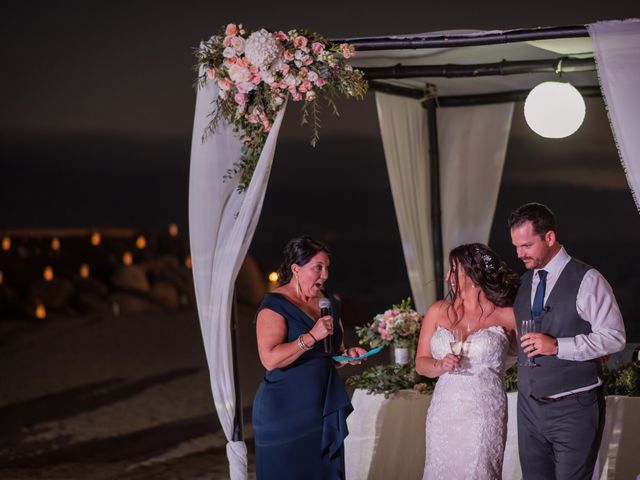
(560, 400)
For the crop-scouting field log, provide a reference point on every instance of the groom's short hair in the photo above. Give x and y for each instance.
(540, 216)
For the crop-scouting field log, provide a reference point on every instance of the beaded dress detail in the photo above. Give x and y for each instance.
(467, 419)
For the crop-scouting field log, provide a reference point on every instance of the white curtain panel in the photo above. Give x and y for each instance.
(404, 137)
(616, 45)
(221, 225)
(473, 144)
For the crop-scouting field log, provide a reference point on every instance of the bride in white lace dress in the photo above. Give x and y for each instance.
(467, 419)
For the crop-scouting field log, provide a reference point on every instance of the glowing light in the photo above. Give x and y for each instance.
(274, 277)
(48, 273)
(41, 311)
(6, 243)
(84, 270)
(95, 239)
(1, 277)
(554, 109)
(187, 263)
(141, 242)
(127, 258)
(173, 230)
(55, 244)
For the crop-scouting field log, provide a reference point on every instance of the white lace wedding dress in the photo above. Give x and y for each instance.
(467, 419)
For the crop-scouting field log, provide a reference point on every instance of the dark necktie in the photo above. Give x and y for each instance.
(538, 299)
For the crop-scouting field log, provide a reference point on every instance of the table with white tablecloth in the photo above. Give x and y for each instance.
(386, 438)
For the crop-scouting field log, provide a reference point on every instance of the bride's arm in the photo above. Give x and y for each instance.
(425, 363)
(510, 327)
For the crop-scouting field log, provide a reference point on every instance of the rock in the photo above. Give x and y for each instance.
(92, 302)
(130, 278)
(91, 285)
(54, 294)
(124, 303)
(251, 285)
(165, 294)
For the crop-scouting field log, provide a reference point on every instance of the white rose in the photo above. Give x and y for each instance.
(239, 74)
(312, 76)
(229, 52)
(238, 44)
(267, 76)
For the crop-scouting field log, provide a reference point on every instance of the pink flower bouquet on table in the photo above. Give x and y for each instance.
(399, 327)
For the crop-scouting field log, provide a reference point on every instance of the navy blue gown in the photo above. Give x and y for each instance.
(300, 411)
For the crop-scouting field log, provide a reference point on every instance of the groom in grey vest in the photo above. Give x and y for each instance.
(560, 402)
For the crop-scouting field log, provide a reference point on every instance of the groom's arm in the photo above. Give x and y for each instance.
(597, 305)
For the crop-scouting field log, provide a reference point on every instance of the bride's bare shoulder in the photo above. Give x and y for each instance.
(437, 312)
(506, 317)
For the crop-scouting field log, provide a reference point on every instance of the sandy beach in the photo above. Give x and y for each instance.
(103, 397)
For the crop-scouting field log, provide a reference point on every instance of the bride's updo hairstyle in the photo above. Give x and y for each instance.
(486, 270)
(299, 251)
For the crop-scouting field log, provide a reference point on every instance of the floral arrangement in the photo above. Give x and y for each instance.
(258, 71)
(399, 326)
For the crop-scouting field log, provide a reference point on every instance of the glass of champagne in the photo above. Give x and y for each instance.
(456, 345)
(529, 326)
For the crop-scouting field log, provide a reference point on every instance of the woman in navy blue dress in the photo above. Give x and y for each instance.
(301, 406)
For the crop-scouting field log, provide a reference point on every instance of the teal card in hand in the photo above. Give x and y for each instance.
(342, 358)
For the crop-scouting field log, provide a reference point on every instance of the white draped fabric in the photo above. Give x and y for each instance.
(616, 46)
(221, 225)
(403, 125)
(472, 144)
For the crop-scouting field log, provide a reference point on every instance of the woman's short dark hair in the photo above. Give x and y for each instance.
(540, 216)
(299, 251)
(486, 270)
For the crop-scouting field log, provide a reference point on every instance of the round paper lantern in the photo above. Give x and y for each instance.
(554, 109)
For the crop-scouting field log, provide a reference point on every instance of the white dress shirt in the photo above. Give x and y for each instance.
(595, 304)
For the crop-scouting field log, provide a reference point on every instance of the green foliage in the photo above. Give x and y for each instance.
(388, 379)
(511, 379)
(623, 380)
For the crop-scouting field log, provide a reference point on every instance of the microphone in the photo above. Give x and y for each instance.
(325, 309)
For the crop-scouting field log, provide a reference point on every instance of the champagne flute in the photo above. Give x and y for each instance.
(456, 345)
(529, 326)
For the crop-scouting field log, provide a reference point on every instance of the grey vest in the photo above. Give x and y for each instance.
(559, 319)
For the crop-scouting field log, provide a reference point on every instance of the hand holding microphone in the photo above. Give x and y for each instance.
(325, 310)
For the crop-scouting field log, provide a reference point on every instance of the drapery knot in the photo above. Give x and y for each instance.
(238, 464)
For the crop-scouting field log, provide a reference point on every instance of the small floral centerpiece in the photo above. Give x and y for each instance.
(399, 327)
(258, 71)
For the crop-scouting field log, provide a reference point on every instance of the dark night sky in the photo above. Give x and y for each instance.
(97, 110)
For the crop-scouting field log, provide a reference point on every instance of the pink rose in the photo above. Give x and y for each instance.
(281, 36)
(231, 29)
(320, 82)
(347, 50)
(310, 96)
(225, 84)
(240, 99)
(288, 55)
(256, 79)
(317, 48)
(305, 87)
(296, 96)
(285, 69)
(300, 41)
